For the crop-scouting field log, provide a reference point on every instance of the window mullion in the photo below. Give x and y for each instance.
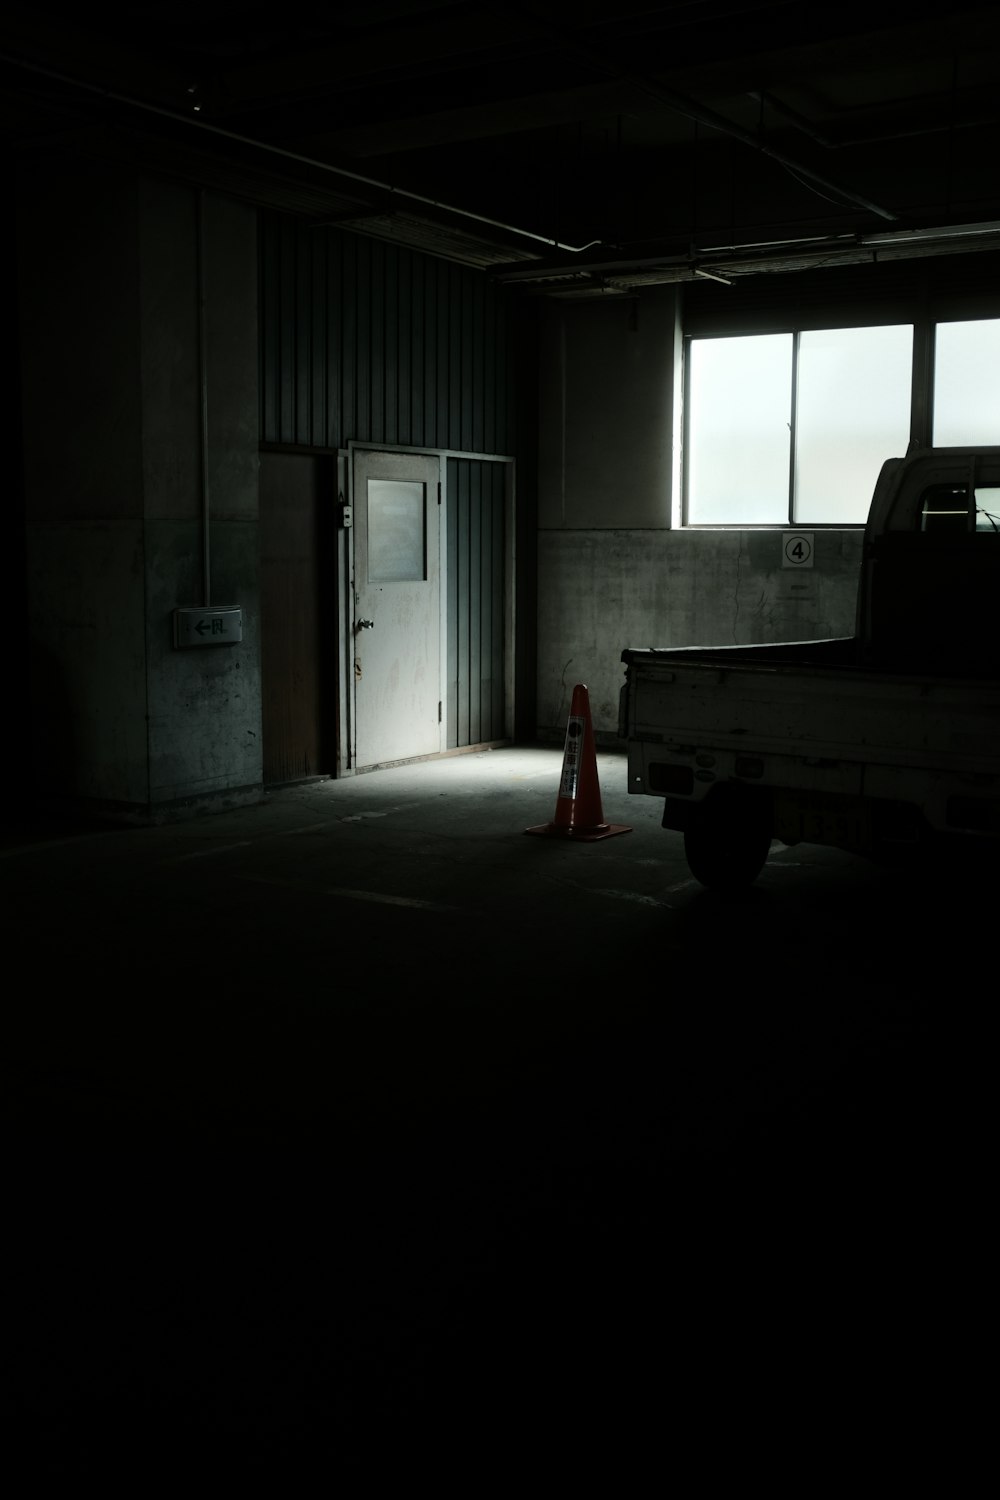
(793, 407)
(922, 389)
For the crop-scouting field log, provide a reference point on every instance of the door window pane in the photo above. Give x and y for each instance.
(852, 413)
(396, 531)
(739, 435)
(967, 383)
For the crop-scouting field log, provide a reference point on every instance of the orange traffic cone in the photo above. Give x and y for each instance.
(578, 812)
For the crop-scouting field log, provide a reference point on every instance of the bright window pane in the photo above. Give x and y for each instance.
(395, 531)
(852, 413)
(739, 395)
(967, 383)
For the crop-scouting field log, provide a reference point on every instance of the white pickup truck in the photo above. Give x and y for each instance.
(885, 743)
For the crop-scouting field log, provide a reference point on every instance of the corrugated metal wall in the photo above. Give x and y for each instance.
(364, 342)
(476, 550)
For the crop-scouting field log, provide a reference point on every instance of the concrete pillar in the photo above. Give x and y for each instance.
(137, 328)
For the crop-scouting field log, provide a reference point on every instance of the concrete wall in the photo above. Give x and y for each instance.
(138, 306)
(615, 570)
(204, 703)
(123, 523)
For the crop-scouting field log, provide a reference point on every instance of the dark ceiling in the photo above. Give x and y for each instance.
(572, 149)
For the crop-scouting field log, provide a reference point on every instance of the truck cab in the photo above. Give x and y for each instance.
(931, 564)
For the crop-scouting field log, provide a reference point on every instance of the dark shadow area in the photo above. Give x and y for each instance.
(562, 1160)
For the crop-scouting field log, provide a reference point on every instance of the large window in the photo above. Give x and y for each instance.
(852, 413)
(967, 383)
(739, 404)
(792, 428)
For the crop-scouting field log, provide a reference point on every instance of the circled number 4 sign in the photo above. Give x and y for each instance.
(798, 550)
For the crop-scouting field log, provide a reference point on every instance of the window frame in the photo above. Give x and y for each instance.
(921, 403)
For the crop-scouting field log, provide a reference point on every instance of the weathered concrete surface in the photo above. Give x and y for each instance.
(138, 363)
(600, 592)
(616, 569)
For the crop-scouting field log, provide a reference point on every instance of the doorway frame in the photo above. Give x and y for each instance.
(346, 499)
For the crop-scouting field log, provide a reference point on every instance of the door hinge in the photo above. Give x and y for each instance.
(439, 710)
(439, 492)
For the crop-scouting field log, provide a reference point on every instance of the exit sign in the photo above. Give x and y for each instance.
(221, 625)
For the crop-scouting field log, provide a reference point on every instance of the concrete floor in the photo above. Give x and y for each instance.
(358, 1120)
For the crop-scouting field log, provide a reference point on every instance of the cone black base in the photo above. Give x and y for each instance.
(579, 835)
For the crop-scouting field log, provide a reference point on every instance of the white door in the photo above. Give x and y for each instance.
(397, 607)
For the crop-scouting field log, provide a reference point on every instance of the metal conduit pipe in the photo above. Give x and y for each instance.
(309, 161)
(691, 110)
(869, 138)
(206, 557)
(701, 116)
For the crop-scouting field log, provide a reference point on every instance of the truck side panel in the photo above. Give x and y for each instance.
(813, 740)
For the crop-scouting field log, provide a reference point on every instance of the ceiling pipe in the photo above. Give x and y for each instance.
(943, 232)
(806, 127)
(738, 260)
(204, 125)
(677, 102)
(206, 509)
(700, 115)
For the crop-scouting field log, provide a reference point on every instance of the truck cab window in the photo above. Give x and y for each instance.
(945, 507)
(988, 508)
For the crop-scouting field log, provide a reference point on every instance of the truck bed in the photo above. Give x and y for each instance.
(809, 699)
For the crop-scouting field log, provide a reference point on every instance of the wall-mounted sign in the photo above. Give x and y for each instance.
(797, 549)
(218, 625)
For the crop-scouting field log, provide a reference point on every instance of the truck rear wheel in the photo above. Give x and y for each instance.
(727, 843)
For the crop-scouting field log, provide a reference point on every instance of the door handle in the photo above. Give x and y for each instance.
(364, 625)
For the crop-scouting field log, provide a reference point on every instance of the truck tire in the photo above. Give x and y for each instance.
(727, 843)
